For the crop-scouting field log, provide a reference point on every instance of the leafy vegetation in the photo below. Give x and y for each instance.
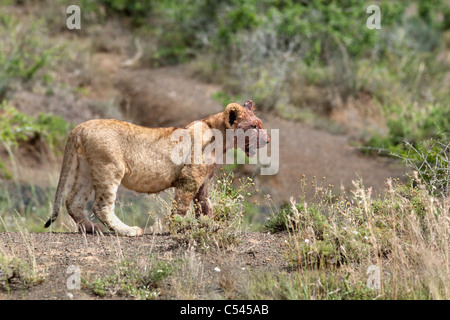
(17, 127)
(421, 138)
(17, 272)
(25, 57)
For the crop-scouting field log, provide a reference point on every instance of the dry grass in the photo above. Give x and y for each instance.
(402, 236)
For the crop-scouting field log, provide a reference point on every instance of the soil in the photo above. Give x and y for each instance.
(98, 256)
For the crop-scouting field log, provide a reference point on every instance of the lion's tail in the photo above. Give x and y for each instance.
(69, 155)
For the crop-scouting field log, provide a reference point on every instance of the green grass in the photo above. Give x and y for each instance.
(332, 285)
(309, 285)
(16, 272)
(129, 279)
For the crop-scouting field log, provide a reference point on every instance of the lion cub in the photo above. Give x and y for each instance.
(107, 153)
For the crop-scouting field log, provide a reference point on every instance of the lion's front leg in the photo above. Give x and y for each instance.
(202, 204)
(193, 184)
(184, 196)
(182, 202)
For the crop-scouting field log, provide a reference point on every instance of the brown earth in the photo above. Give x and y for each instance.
(98, 256)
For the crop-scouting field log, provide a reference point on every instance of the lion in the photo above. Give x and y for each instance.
(108, 153)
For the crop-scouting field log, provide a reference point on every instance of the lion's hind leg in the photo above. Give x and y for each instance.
(79, 196)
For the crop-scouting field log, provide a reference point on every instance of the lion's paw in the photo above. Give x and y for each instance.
(132, 232)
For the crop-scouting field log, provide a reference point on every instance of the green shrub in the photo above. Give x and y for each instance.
(24, 53)
(420, 136)
(414, 124)
(16, 127)
(15, 271)
(280, 221)
(430, 160)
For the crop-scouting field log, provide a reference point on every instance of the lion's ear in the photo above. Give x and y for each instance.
(233, 111)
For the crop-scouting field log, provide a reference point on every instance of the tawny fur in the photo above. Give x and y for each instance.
(107, 153)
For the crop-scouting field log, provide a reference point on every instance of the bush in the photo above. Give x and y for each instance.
(14, 271)
(16, 127)
(429, 161)
(24, 55)
(419, 136)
